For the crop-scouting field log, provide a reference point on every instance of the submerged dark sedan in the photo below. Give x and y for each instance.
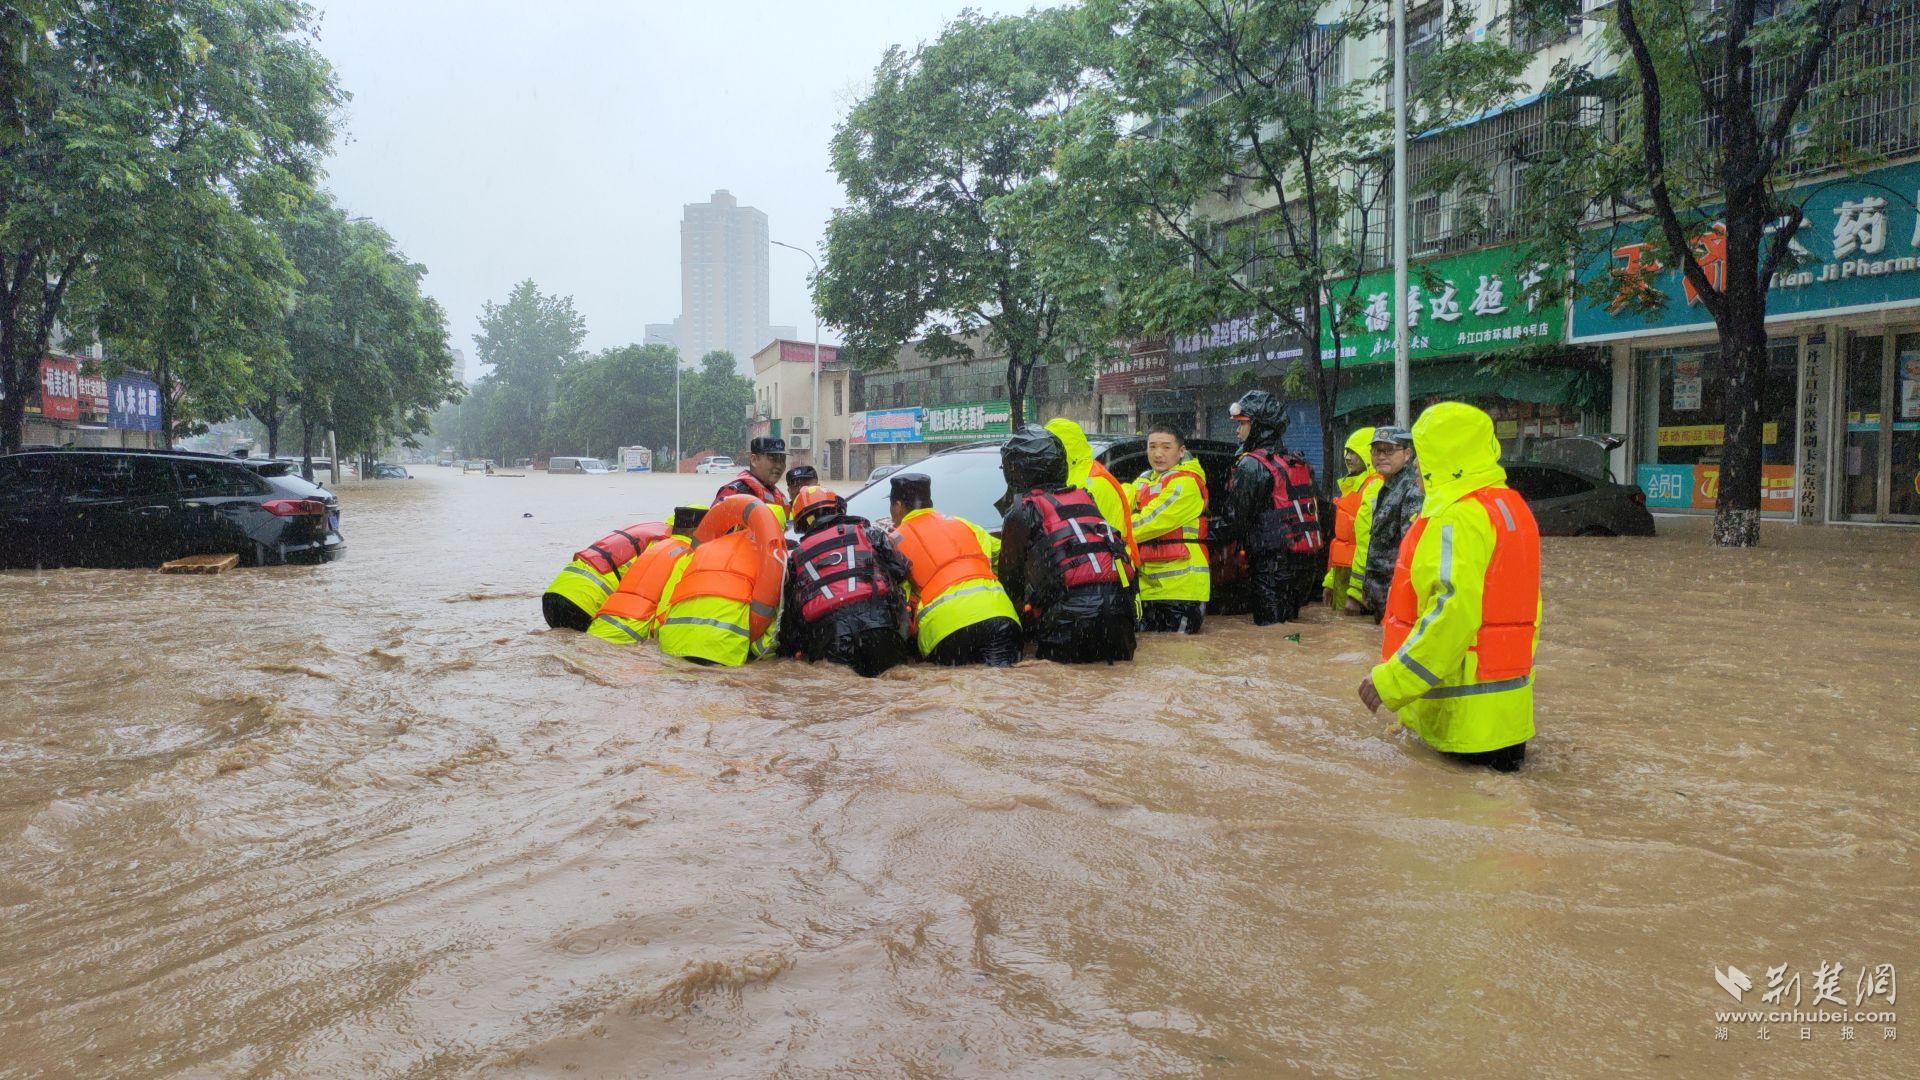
(113, 507)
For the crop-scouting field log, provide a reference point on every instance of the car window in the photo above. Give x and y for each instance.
(1535, 482)
(213, 479)
(30, 477)
(966, 484)
(105, 477)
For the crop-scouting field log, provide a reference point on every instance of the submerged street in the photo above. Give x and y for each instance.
(374, 818)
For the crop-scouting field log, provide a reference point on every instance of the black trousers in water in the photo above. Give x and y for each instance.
(1172, 616)
(1279, 585)
(564, 614)
(1505, 759)
(1090, 625)
(994, 642)
(863, 636)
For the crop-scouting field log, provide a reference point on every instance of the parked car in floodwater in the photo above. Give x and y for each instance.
(126, 508)
(386, 470)
(716, 464)
(1572, 492)
(883, 470)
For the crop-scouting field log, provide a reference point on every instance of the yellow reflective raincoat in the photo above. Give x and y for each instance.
(1108, 494)
(1432, 679)
(1361, 444)
(1171, 509)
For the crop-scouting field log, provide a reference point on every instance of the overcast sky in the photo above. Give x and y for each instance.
(499, 140)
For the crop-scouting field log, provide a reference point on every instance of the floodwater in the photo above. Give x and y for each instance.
(374, 819)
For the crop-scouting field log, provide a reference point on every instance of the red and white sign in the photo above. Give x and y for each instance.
(59, 390)
(801, 352)
(93, 398)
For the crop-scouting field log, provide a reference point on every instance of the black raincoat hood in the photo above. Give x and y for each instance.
(1269, 416)
(1032, 457)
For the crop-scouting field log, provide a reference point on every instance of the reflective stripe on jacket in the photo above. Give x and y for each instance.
(952, 580)
(1170, 522)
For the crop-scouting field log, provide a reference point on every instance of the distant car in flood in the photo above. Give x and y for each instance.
(1571, 491)
(583, 465)
(883, 470)
(716, 464)
(125, 508)
(385, 470)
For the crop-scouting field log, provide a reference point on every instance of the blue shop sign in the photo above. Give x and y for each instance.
(133, 404)
(1858, 249)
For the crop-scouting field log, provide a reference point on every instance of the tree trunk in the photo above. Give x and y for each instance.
(272, 422)
(1743, 359)
(1019, 373)
(163, 373)
(306, 449)
(1326, 394)
(13, 410)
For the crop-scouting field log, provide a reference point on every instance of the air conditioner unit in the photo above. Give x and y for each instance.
(800, 424)
(799, 442)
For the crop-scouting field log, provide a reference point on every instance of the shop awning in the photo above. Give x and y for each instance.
(1371, 386)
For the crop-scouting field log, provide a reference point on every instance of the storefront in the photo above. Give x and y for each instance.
(1841, 401)
(1482, 331)
(906, 435)
(73, 405)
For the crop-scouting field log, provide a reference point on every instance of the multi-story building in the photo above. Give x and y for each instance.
(1842, 404)
(723, 280)
(783, 404)
(922, 404)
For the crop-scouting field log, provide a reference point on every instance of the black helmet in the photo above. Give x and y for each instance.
(802, 476)
(687, 518)
(913, 489)
(1267, 413)
(1033, 456)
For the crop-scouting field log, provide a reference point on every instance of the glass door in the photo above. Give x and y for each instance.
(1860, 454)
(1903, 457)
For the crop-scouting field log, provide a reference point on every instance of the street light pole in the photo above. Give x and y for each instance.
(1402, 373)
(814, 453)
(676, 409)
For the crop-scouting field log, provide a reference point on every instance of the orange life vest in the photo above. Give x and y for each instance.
(638, 597)
(1099, 473)
(619, 547)
(748, 565)
(1344, 509)
(1510, 597)
(1170, 546)
(941, 552)
(748, 484)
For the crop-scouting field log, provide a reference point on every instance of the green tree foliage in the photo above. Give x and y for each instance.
(366, 352)
(946, 130)
(1232, 167)
(621, 397)
(1705, 116)
(529, 340)
(121, 125)
(714, 402)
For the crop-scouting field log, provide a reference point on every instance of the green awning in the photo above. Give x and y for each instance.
(1371, 386)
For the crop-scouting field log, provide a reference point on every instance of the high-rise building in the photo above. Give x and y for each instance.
(723, 280)
(460, 369)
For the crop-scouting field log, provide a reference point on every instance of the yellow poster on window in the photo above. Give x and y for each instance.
(1709, 435)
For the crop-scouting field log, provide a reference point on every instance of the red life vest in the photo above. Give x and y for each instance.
(1171, 546)
(748, 484)
(1293, 522)
(1509, 599)
(834, 567)
(616, 549)
(1081, 548)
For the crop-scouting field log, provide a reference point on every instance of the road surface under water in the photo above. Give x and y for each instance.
(374, 818)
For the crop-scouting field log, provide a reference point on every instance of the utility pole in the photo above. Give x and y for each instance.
(1402, 372)
(814, 432)
(676, 408)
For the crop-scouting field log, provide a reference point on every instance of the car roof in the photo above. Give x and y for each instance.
(194, 455)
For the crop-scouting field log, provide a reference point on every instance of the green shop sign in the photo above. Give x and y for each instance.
(967, 421)
(1857, 249)
(1480, 302)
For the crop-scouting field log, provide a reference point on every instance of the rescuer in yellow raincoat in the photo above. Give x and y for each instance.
(1463, 612)
(1109, 494)
(631, 614)
(1355, 488)
(1170, 525)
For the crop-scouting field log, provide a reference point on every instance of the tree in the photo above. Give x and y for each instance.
(528, 340)
(122, 124)
(622, 397)
(1231, 167)
(917, 253)
(1719, 109)
(715, 401)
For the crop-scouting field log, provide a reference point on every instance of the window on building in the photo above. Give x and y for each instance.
(839, 401)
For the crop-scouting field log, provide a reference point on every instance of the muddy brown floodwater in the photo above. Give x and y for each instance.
(373, 819)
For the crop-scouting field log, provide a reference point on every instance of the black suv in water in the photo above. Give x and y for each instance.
(109, 507)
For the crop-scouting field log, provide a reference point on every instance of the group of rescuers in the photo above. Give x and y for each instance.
(1428, 540)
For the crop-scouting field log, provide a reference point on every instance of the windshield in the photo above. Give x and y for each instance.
(966, 483)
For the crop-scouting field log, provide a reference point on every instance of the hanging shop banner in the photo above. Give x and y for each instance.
(1709, 434)
(969, 421)
(1857, 249)
(59, 390)
(1696, 487)
(93, 398)
(885, 426)
(1480, 302)
(133, 404)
